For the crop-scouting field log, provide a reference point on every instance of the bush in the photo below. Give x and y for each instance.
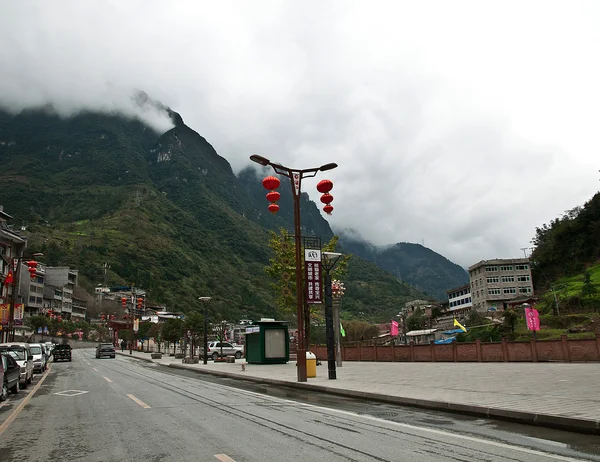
(563, 321)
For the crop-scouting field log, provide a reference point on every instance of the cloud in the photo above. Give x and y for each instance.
(464, 124)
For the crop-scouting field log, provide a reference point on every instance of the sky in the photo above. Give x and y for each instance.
(461, 125)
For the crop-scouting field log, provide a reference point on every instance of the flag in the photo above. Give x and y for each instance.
(394, 328)
(459, 325)
(342, 331)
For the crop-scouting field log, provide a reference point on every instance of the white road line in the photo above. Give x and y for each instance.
(417, 428)
(224, 458)
(107, 379)
(140, 402)
(95, 369)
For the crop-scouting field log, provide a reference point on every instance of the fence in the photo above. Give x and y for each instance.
(563, 350)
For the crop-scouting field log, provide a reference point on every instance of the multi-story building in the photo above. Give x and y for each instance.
(31, 290)
(495, 282)
(79, 310)
(60, 282)
(459, 299)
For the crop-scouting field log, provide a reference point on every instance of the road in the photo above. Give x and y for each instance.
(126, 410)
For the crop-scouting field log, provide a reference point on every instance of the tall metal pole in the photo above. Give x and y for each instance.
(329, 326)
(301, 350)
(336, 331)
(13, 303)
(205, 335)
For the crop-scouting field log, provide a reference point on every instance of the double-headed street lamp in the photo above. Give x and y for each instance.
(330, 259)
(206, 301)
(296, 177)
(17, 261)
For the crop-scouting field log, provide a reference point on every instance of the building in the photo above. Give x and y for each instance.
(459, 299)
(61, 280)
(494, 283)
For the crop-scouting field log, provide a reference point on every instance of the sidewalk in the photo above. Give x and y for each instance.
(560, 395)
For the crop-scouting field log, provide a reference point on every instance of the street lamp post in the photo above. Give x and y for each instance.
(15, 290)
(295, 177)
(329, 261)
(206, 301)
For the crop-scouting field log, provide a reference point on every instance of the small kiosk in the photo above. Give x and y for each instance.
(267, 342)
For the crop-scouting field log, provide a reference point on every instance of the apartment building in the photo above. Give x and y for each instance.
(60, 282)
(459, 299)
(496, 282)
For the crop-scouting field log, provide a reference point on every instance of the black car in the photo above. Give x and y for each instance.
(62, 352)
(10, 373)
(105, 349)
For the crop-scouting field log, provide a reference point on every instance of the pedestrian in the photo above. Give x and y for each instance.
(122, 345)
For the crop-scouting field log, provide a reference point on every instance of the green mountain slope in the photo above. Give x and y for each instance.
(165, 211)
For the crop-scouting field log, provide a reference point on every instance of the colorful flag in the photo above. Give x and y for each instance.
(532, 316)
(459, 325)
(342, 331)
(394, 328)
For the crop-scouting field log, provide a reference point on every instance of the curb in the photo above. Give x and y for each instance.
(127, 355)
(586, 426)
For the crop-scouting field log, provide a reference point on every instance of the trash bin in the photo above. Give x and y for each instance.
(311, 364)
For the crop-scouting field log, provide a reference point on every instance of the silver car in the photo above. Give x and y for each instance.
(216, 349)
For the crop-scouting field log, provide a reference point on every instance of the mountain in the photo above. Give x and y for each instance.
(164, 210)
(421, 267)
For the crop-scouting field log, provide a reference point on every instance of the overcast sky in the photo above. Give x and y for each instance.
(460, 124)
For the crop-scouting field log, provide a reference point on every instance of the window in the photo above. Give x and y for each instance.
(506, 268)
(491, 268)
(521, 267)
(31, 299)
(508, 279)
(494, 292)
(523, 278)
(510, 290)
(493, 279)
(39, 300)
(525, 290)
(32, 288)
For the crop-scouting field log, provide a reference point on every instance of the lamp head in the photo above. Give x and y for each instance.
(330, 166)
(259, 159)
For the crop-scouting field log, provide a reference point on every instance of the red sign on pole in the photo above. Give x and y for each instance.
(312, 275)
(533, 319)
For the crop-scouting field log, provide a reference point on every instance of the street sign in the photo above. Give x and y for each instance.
(312, 275)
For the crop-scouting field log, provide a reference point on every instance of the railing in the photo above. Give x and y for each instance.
(562, 350)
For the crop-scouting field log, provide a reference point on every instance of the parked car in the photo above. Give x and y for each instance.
(21, 353)
(105, 349)
(10, 373)
(62, 352)
(228, 349)
(39, 357)
(49, 348)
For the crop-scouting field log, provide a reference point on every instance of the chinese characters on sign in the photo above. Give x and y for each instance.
(533, 319)
(312, 275)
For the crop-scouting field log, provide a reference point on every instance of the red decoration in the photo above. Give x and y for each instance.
(324, 186)
(271, 183)
(326, 198)
(273, 196)
(31, 267)
(273, 208)
(140, 303)
(328, 209)
(124, 302)
(9, 279)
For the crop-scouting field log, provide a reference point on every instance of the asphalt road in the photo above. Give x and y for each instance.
(126, 410)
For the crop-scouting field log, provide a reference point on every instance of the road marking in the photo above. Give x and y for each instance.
(417, 428)
(70, 393)
(26, 400)
(107, 379)
(95, 369)
(140, 402)
(224, 458)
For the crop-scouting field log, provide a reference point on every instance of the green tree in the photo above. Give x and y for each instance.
(588, 290)
(416, 320)
(142, 333)
(194, 323)
(171, 330)
(155, 333)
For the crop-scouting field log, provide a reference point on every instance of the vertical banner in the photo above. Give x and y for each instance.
(394, 329)
(533, 318)
(19, 314)
(312, 275)
(4, 313)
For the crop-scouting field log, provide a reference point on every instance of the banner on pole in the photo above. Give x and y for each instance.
(532, 317)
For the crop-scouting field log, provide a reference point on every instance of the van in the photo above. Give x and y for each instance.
(38, 350)
(22, 355)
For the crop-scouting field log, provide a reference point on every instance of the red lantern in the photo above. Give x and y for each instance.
(273, 208)
(102, 318)
(271, 183)
(124, 302)
(32, 268)
(140, 303)
(326, 198)
(328, 209)
(324, 186)
(9, 279)
(273, 196)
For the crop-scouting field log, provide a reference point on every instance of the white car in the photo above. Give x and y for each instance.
(39, 357)
(227, 349)
(22, 355)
